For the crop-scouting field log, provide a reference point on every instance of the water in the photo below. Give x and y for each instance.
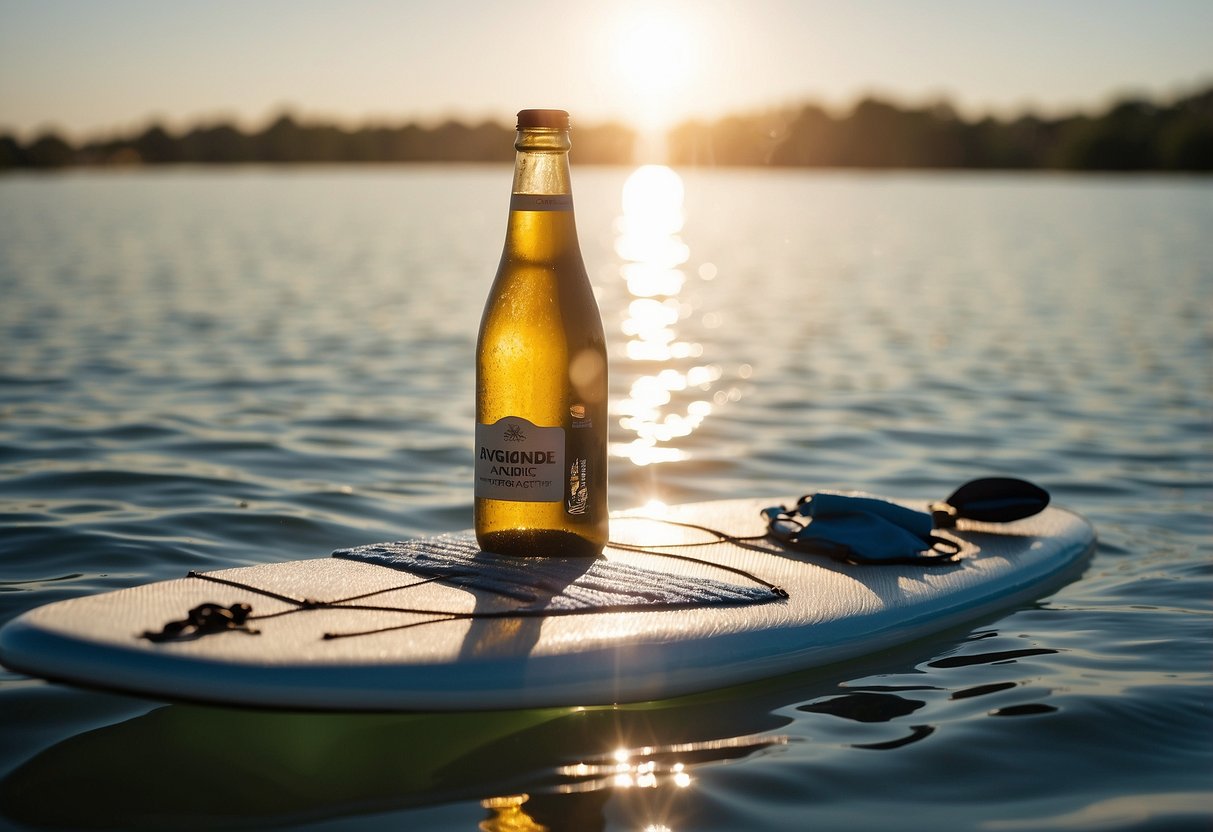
(202, 369)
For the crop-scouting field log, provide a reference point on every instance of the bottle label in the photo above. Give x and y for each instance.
(518, 460)
(541, 202)
(578, 453)
(578, 501)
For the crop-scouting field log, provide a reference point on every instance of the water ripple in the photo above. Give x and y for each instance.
(246, 366)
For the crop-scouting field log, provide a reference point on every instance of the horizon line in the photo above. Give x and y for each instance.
(835, 107)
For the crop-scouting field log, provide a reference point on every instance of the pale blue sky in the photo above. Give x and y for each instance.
(88, 67)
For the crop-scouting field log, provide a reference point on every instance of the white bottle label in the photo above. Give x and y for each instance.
(541, 202)
(517, 460)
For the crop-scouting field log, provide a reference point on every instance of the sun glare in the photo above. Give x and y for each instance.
(655, 53)
(655, 59)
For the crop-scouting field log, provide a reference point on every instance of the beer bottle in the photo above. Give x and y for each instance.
(541, 369)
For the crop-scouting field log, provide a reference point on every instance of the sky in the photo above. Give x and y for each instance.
(95, 68)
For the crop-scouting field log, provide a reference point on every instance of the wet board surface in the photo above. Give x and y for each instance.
(411, 655)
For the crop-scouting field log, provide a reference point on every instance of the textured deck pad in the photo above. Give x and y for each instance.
(396, 638)
(553, 584)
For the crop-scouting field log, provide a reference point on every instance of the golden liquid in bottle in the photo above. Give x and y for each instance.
(541, 357)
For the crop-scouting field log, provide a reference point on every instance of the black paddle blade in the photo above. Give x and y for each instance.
(998, 500)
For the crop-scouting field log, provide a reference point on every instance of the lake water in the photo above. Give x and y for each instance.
(209, 368)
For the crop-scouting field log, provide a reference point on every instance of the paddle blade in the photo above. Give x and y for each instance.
(998, 499)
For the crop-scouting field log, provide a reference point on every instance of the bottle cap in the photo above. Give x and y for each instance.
(557, 119)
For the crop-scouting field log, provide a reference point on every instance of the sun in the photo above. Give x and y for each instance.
(655, 59)
(654, 51)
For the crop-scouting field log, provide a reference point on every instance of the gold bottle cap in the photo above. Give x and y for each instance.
(557, 119)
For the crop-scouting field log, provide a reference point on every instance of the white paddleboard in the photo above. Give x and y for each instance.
(373, 644)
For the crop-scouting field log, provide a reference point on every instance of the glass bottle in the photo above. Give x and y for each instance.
(541, 369)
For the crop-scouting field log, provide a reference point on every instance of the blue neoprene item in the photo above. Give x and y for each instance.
(865, 529)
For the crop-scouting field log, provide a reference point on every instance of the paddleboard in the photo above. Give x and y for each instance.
(672, 608)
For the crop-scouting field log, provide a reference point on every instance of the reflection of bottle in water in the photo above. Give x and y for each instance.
(508, 815)
(541, 373)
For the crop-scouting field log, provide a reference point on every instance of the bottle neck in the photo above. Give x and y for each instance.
(542, 163)
(541, 228)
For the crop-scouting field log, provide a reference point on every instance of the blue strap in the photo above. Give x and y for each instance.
(825, 504)
(859, 529)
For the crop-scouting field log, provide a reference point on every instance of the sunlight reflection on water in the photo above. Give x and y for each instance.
(667, 400)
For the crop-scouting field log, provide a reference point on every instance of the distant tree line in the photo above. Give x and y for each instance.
(287, 140)
(1132, 135)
